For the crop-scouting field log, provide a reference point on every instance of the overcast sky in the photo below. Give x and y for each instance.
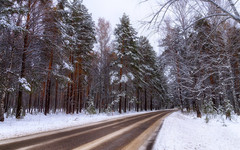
(112, 10)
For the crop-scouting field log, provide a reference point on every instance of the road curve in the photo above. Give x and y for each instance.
(129, 133)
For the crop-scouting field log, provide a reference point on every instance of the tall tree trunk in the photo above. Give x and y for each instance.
(151, 101)
(48, 88)
(120, 77)
(213, 83)
(234, 71)
(2, 107)
(23, 67)
(36, 102)
(47, 98)
(80, 87)
(145, 93)
(138, 100)
(61, 100)
(199, 114)
(56, 97)
(141, 100)
(79, 100)
(71, 96)
(67, 99)
(69, 88)
(6, 103)
(178, 80)
(120, 99)
(75, 98)
(89, 88)
(100, 89)
(42, 96)
(180, 97)
(125, 101)
(30, 102)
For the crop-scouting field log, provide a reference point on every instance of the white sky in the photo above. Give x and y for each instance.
(112, 10)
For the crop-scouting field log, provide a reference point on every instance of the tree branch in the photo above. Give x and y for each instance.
(236, 17)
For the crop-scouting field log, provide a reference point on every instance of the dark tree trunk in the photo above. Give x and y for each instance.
(125, 100)
(145, 93)
(141, 101)
(47, 99)
(56, 97)
(24, 56)
(80, 87)
(151, 105)
(138, 100)
(120, 77)
(67, 98)
(30, 102)
(6, 102)
(2, 107)
(120, 100)
(71, 98)
(79, 96)
(75, 98)
(199, 115)
(42, 97)
(22, 75)
(23, 67)
(48, 89)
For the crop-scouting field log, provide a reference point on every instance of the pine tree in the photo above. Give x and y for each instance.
(4, 6)
(78, 34)
(151, 76)
(9, 30)
(127, 56)
(20, 110)
(50, 51)
(148, 62)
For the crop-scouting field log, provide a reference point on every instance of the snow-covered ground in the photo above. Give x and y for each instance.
(32, 124)
(186, 132)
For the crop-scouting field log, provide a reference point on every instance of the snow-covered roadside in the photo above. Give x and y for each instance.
(186, 132)
(32, 124)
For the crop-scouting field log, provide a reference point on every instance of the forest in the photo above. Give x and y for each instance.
(202, 46)
(49, 63)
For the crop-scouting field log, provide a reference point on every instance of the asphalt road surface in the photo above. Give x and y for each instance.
(129, 133)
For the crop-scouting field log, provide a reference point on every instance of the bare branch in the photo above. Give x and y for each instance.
(233, 7)
(236, 17)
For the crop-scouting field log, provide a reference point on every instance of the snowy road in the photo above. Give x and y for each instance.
(124, 133)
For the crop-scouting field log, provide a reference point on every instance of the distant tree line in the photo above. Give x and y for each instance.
(47, 62)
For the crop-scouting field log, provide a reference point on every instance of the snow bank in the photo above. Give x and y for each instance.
(186, 132)
(32, 124)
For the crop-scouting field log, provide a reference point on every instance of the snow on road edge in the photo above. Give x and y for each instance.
(186, 132)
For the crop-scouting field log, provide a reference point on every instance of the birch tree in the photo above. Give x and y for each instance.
(104, 46)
